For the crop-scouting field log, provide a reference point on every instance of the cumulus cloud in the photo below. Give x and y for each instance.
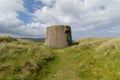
(82, 15)
(32, 30)
(8, 14)
(87, 17)
(11, 25)
(11, 5)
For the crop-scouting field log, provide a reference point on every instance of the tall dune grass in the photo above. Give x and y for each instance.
(91, 59)
(22, 59)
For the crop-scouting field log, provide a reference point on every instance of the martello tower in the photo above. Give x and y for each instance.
(58, 36)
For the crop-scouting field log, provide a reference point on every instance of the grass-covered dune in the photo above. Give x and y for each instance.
(91, 59)
(23, 59)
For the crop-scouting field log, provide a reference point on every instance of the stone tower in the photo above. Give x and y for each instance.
(58, 36)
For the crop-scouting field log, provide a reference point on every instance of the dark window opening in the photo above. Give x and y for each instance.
(67, 31)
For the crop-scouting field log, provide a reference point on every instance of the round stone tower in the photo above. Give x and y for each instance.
(58, 36)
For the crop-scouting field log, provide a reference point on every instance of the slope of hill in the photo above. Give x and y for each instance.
(22, 59)
(35, 39)
(91, 59)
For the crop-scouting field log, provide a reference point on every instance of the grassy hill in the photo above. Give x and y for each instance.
(91, 59)
(23, 59)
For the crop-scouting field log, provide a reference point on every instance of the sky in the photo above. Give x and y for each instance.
(87, 18)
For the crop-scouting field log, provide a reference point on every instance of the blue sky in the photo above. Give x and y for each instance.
(87, 18)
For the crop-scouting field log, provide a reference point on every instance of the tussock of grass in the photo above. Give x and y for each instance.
(102, 63)
(112, 44)
(7, 39)
(22, 59)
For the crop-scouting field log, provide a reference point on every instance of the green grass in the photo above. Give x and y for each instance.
(22, 59)
(91, 59)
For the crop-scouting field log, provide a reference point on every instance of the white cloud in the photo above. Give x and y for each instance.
(33, 29)
(82, 15)
(87, 14)
(11, 25)
(8, 14)
(11, 5)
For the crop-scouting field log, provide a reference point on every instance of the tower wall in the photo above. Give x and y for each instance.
(57, 36)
